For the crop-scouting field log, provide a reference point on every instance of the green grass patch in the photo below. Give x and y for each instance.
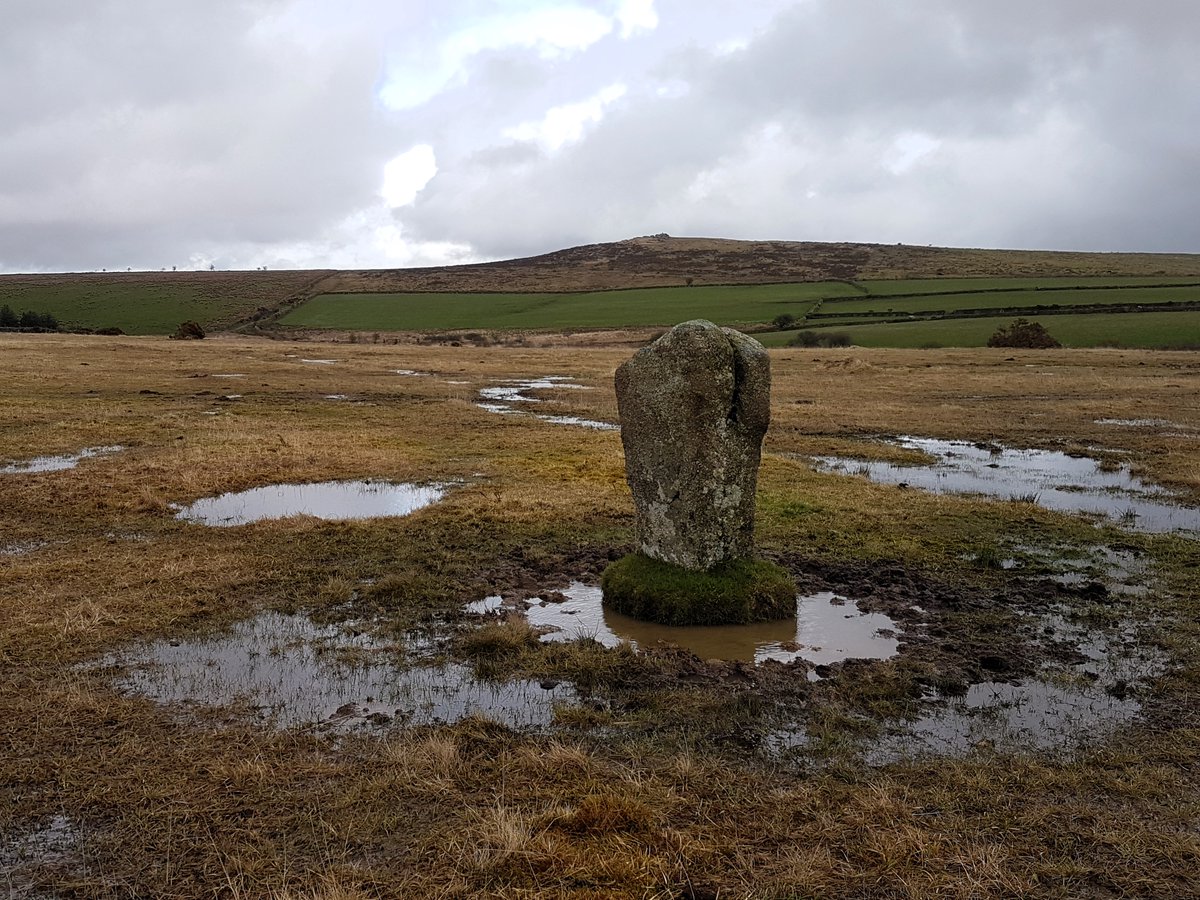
(1145, 330)
(147, 302)
(1009, 299)
(724, 304)
(732, 593)
(887, 286)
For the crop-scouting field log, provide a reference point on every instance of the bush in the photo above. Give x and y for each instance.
(188, 331)
(28, 319)
(1023, 334)
(783, 321)
(809, 337)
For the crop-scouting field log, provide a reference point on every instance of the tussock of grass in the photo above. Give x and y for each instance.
(731, 593)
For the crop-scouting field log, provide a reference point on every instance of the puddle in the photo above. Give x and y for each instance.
(499, 399)
(581, 423)
(228, 376)
(336, 396)
(412, 373)
(1136, 423)
(57, 463)
(1048, 478)
(1034, 715)
(319, 362)
(292, 672)
(336, 500)
(56, 842)
(1068, 705)
(20, 548)
(827, 629)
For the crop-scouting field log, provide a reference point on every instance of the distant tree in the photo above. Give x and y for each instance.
(8, 318)
(1023, 334)
(783, 321)
(30, 319)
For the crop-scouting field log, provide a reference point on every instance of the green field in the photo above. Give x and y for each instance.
(1180, 329)
(1010, 298)
(151, 302)
(598, 309)
(883, 287)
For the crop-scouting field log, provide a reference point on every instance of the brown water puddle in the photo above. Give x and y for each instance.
(827, 629)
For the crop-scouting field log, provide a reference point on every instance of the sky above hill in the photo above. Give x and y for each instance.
(381, 133)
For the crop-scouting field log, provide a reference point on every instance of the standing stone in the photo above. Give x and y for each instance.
(694, 407)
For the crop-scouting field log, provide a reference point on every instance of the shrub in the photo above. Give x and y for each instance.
(8, 318)
(188, 331)
(811, 338)
(783, 321)
(1023, 334)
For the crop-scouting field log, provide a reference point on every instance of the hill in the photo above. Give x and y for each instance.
(660, 278)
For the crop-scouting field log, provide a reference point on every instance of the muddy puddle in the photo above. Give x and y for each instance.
(56, 463)
(335, 500)
(290, 672)
(502, 399)
(1048, 478)
(827, 629)
(54, 842)
(320, 362)
(1070, 704)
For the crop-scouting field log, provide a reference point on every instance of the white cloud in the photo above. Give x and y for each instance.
(406, 175)
(566, 124)
(551, 32)
(636, 16)
(907, 150)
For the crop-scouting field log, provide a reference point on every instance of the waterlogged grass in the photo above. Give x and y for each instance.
(1152, 329)
(653, 784)
(596, 309)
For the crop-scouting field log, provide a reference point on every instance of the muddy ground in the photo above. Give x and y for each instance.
(1032, 731)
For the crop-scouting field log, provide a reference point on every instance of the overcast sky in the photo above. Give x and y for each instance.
(381, 133)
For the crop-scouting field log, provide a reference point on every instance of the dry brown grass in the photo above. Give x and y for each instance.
(204, 804)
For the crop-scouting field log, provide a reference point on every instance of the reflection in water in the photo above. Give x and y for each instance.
(56, 463)
(1034, 715)
(327, 500)
(294, 672)
(827, 629)
(1050, 479)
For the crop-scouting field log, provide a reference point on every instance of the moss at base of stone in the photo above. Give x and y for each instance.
(729, 594)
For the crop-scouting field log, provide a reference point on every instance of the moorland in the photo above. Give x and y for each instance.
(1029, 727)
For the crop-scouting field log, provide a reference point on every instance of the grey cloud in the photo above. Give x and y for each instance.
(1069, 125)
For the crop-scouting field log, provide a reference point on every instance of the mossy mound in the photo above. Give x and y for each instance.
(732, 593)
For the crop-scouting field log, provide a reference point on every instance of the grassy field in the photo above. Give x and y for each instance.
(950, 301)
(950, 284)
(605, 309)
(151, 302)
(1176, 329)
(658, 779)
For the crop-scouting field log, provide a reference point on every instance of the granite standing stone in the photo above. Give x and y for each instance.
(694, 407)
